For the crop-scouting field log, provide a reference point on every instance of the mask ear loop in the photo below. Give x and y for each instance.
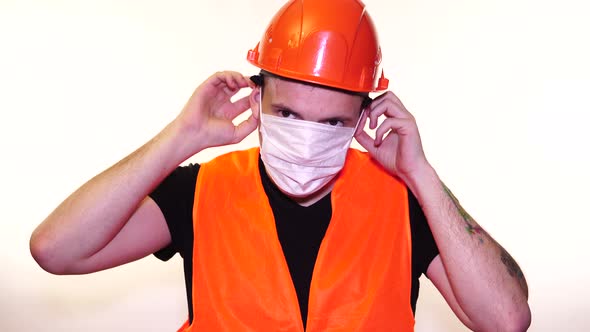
(366, 102)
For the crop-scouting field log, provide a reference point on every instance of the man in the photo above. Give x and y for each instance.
(302, 233)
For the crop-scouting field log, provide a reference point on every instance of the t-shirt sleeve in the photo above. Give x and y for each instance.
(175, 198)
(424, 248)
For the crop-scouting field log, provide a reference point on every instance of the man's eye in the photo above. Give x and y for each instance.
(335, 122)
(286, 114)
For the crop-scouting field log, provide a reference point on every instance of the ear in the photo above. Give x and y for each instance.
(255, 101)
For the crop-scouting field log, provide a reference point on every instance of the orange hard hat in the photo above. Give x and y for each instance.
(327, 42)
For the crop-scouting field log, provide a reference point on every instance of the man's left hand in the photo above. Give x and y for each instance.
(397, 145)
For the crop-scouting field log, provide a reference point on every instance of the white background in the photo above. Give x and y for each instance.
(499, 90)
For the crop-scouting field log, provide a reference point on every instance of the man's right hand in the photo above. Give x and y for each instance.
(206, 119)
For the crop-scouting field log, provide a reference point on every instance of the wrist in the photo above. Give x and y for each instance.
(421, 178)
(182, 142)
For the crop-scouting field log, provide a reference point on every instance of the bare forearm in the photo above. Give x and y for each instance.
(109, 221)
(487, 282)
(92, 216)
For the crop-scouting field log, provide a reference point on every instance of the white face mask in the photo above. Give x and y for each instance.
(301, 156)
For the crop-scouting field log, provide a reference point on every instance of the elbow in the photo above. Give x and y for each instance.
(524, 321)
(518, 321)
(42, 250)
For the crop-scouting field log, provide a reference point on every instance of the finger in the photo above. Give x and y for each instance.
(377, 108)
(366, 141)
(239, 106)
(395, 99)
(396, 109)
(388, 95)
(396, 125)
(244, 129)
(244, 81)
(219, 82)
(236, 82)
(230, 80)
(374, 114)
(239, 81)
(218, 79)
(380, 109)
(251, 84)
(390, 110)
(230, 92)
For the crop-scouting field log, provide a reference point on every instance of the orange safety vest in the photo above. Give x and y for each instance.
(241, 282)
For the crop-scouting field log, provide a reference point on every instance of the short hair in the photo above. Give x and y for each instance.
(259, 81)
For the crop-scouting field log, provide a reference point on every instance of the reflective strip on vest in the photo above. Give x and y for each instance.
(241, 282)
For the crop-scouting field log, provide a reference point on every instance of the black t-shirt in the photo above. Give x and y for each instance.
(300, 230)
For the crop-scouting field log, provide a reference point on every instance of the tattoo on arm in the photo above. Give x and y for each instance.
(510, 264)
(513, 269)
(473, 228)
(470, 225)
